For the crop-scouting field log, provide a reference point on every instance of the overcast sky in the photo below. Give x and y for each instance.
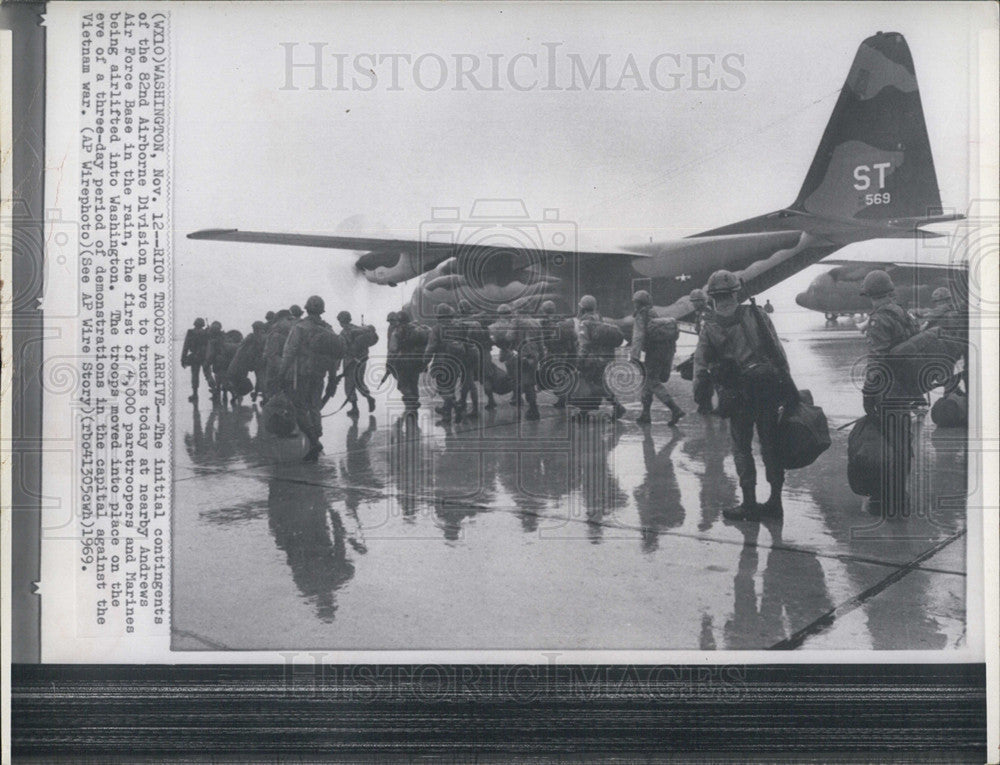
(621, 165)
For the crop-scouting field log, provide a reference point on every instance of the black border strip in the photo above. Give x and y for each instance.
(311, 710)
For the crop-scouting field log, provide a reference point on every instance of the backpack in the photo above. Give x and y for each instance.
(365, 337)
(279, 416)
(604, 336)
(866, 450)
(662, 331)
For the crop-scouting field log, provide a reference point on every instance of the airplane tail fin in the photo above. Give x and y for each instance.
(874, 162)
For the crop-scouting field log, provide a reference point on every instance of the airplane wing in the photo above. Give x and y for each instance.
(896, 265)
(444, 249)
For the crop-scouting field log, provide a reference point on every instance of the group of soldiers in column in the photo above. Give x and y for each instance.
(738, 362)
(291, 352)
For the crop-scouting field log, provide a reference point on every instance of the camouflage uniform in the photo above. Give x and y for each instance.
(312, 351)
(658, 363)
(355, 363)
(732, 351)
(888, 326)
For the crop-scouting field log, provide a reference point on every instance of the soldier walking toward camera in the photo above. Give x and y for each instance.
(741, 351)
(883, 397)
(594, 355)
(355, 362)
(659, 342)
(312, 352)
(193, 355)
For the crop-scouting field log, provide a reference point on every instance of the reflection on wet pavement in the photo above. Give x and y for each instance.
(500, 533)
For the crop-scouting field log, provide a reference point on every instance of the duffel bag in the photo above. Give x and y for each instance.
(686, 368)
(865, 452)
(803, 435)
(499, 380)
(951, 411)
(924, 362)
(279, 416)
(241, 386)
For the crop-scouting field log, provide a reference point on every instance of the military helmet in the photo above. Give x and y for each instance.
(588, 303)
(464, 307)
(548, 307)
(216, 326)
(941, 295)
(314, 304)
(443, 310)
(295, 310)
(722, 282)
(504, 309)
(642, 298)
(258, 325)
(697, 294)
(199, 322)
(403, 317)
(877, 284)
(282, 314)
(344, 317)
(269, 316)
(392, 317)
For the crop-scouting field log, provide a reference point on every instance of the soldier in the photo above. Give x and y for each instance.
(193, 355)
(703, 389)
(520, 341)
(312, 352)
(212, 351)
(888, 325)
(560, 351)
(702, 310)
(476, 340)
(269, 320)
(249, 358)
(740, 348)
(407, 345)
(658, 362)
(274, 345)
(592, 357)
(768, 308)
(355, 362)
(443, 357)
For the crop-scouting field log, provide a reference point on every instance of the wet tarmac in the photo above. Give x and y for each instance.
(496, 533)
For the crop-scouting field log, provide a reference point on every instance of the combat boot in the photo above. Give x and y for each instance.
(193, 397)
(773, 505)
(747, 510)
(491, 404)
(354, 411)
(675, 414)
(619, 411)
(371, 403)
(532, 413)
(313, 454)
(644, 418)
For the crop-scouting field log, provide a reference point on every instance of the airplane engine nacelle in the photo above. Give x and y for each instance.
(389, 266)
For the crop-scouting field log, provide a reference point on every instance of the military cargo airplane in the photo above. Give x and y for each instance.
(837, 292)
(872, 177)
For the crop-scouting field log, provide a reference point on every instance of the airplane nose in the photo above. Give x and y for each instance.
(804, 299)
